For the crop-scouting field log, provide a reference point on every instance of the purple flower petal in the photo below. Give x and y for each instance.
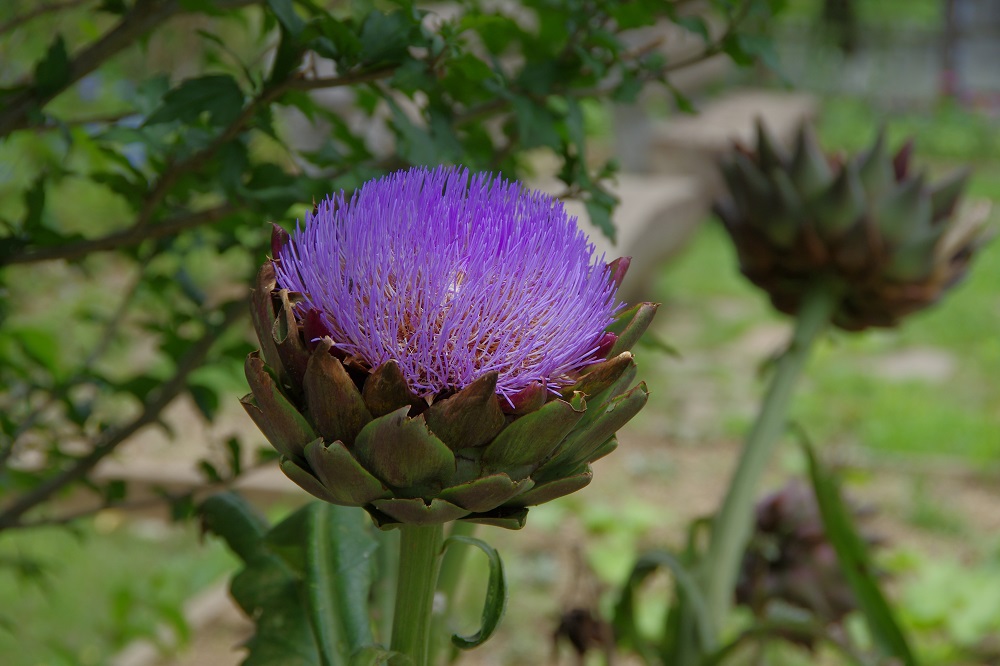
(452, 277)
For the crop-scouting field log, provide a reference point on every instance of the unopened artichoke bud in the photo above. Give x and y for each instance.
(888, 240)
(789, 559)
(441, 346)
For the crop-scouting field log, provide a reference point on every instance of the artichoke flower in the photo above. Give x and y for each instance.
(885, 237)
(441, 347)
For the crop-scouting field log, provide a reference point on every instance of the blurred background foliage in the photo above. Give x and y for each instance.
(144, 147)
(145, 144)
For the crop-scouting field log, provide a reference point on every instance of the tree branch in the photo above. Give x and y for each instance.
(111, 438)
(144, 16)
(142, 229)
(131, 236)
(107, 336)
(195, 491)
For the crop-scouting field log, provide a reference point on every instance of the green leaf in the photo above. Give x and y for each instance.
(230, 516)
(34, 204)
(689, 595)
(218, 95)
(41, 346)
(536, 125)
(385, 37)
(234, 457)
(496, 594)
(600, 217)
(211, 473)
(267, 591)
(206, 399)
(284, 11)
(856, 564)
(694, 24)
(332, 548)
(287, 57)
(52, 72)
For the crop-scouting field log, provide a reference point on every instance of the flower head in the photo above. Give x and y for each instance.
(452, 277)
(891, 242)
(441, 347)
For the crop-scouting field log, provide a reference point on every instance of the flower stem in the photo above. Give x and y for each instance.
(419, 561)
(732, 525)
(451, 573)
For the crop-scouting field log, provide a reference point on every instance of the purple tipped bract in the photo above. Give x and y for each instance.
(453, 276)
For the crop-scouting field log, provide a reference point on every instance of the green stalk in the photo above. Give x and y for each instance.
(732, 526)
(419, 561)
(451, 574)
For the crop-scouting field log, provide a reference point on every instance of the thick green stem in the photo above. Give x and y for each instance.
(419, 561)
(732, 526)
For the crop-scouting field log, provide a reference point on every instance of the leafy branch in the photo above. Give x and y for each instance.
(141, 19)
(109, 440)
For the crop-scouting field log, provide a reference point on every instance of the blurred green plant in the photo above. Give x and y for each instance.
(145, 143)
(123, 582)
(137, 184)
(849, 242)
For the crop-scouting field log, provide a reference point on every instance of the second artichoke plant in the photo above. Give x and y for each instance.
(887, 239)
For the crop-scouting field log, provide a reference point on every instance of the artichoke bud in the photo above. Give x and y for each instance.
(770, 155)
(839, 207)
(905, 211)
(810, 169)
(875, 168)
(885, 237)
(789, 560)
(946, 193)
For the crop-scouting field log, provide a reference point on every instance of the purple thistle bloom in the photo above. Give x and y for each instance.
(453, 277)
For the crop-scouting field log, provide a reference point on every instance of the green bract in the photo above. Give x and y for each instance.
(888, 241)
(358, 436)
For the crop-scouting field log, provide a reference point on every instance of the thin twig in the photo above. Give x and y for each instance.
(105, 443)
(144, 503)
(174, 171)
(104, 341)
(142, 229)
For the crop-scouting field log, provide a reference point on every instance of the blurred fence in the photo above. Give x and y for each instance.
(901, 61)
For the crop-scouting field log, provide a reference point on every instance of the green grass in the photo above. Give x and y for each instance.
(106, 585)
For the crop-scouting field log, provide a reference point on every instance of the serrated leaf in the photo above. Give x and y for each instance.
(267, 589)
